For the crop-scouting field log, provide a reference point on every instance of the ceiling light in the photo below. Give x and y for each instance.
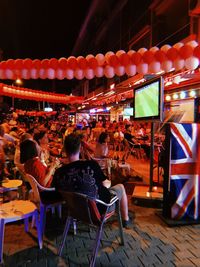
(183, 95)
(175, 96)
(192, 93)
(168, 98)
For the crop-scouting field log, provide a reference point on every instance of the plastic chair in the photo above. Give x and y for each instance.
(14, 211)
(43, 205)
(84, 208)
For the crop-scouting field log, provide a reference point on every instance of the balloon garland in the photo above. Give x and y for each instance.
(143, 61)
(24, 93)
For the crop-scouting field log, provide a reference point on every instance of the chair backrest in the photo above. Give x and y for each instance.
(81, 207)
(36, 188)
(35, 197)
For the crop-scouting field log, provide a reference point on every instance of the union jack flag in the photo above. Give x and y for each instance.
(185, 170)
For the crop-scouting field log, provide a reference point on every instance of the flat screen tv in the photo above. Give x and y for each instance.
(148, 100)
(128, 112)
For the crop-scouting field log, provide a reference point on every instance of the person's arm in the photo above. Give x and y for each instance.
(106, 183)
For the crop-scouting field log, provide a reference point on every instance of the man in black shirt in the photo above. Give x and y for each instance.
(87, 177)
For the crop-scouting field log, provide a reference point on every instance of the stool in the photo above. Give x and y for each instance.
(14, 211)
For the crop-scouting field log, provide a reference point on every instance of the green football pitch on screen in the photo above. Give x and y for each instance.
(147, 101)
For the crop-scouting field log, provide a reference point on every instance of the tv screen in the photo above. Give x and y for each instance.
(148, 100)
(128, 112)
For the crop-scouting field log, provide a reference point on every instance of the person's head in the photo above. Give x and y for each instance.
(25, 136)
(128, 127)
(28, 150)
(72, 144)
(103, 137)
(41, 137)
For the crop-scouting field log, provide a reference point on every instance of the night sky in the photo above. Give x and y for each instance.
(40, 29)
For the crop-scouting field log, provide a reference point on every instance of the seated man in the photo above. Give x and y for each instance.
(86, 177)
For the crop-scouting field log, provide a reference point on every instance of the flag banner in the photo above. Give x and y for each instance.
(184, 171)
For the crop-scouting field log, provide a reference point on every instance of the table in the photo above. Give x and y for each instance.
(14, 211)
(11, 184)
(8, 185)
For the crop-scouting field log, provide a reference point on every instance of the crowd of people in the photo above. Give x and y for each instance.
(60, 154)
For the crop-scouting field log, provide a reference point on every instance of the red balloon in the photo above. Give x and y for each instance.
(62, 63)
(92, 62)
(82, 63)
(197, 51)
(113, 61)
(45, 63)
(136, 58)
(148, 57)
(186, 51)
(124, 59)
(27, 63)
(18, 64)
(172, 53)
(36, 64)
(160, 56)
(53, 63)
(3, 65)
(72, 63)
(10, 64)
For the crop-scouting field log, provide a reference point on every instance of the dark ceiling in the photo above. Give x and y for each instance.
(39, 29)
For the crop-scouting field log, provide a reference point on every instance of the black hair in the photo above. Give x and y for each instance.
(72, 143)
(102, 137)
(28, 150)
(127, 126)
(38, 136)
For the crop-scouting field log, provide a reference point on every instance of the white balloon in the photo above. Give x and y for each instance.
(142, 68)
(9, 74)
(120, 70)
(130, 70)
(25, 73)
(42, 73)
(34, 73)
(154, 67)
(79, 74)
(166, 65)
(89, 74)
(109, 72)
(60, 75)
(69, 74)
(192, 63)
(99, 72)
(51, 74)
(179, 64)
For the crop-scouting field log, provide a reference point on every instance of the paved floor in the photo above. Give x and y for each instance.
(150, 242)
